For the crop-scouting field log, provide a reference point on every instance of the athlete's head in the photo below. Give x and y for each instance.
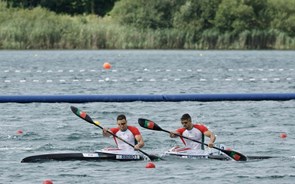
(122, 122)
(186, 121)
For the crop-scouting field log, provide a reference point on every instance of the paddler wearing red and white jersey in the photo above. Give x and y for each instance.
(194, 131)
(130, 134)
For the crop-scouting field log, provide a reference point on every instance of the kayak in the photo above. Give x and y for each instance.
(107, 154)
(114, 154)
(186, 153)
(210, 156)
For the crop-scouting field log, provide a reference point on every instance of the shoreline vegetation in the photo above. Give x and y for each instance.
(39, 28)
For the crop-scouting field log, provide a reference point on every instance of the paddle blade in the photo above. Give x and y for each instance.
(145, 123)
(235, 155)
(82, 114)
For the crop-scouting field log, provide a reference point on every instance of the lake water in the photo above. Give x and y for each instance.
(252, 127)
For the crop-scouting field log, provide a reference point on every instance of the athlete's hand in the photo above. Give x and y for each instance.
(210, 144)
(173, 135)
(105, 132)
(136, 147)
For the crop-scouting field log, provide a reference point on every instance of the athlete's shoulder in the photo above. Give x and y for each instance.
(201, 127)
(134, 130)
(132, 127)
(114, 130)
(180, 130)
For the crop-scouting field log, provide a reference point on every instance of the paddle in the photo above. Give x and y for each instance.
(87, 118)
(145, 123)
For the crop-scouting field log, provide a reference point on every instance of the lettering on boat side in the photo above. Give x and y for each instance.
(90, 154)
(194, 156)
(133, 157)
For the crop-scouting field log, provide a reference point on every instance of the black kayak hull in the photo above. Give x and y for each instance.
(95, 156)
(101, 156)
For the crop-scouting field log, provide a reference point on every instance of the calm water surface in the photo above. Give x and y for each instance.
(253, 128)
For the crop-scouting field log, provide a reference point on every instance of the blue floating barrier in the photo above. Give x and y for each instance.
(146, 98)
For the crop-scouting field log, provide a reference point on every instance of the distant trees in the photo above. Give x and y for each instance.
(199, 15)
(239, 15)
(188, 24)
(189, 15)
(282, 15)
(72, 7)
(154, 14)
(195, 16)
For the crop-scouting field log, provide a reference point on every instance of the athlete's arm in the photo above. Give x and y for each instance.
(140, 142)
(212, 137)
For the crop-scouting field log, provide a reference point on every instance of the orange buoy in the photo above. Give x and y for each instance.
(283, 135)
(107, 66)
(47, 181)
(150, 165)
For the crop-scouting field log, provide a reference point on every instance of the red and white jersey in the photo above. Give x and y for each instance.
(128, 135)
(196, 133)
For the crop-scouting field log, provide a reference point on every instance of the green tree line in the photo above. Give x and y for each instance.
(147, 24)
(72, 7)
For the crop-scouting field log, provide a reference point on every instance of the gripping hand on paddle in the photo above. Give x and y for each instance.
(136, 147)
(210, 144)
(105, 132)
(173, 134)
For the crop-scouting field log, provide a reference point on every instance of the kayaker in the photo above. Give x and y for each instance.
(130, 134)
(194, 131)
